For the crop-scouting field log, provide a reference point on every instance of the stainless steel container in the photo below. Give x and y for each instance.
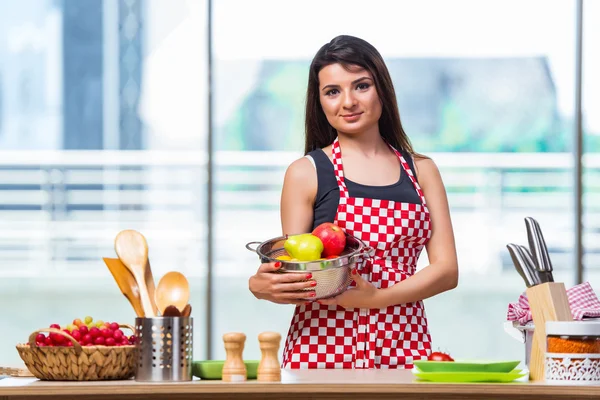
(332, 275)
(524, 334)
(164, 349)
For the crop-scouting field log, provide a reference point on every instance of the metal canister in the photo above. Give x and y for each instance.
(164, 349)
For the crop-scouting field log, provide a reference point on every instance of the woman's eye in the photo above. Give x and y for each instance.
(331, 92)
(363, 86)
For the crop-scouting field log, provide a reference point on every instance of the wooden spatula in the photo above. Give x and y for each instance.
(151, 286)
(126, 283)
(132, 249)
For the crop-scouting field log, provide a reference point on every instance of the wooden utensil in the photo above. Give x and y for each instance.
(187, 310)
(149, 277)
(132, 249)
(171, 311)
(126, 283)
(173, 289)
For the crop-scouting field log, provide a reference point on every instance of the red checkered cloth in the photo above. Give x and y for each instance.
(582, 301)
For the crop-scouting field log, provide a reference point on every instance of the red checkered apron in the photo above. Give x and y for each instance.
(333, 337)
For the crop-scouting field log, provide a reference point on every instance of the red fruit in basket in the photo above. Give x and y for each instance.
(439, 356)
(118, 335)
(87, 338)
(110, 341)
(83, 329)
(55, 326)
(57, 339)
(333, 238)
(114, 326)
(106, 333)
(76, 334)
(48, 341)
(40, 338)
(132, 339)
(95, 332)
(100, 340)
(125, 342)
(69, 344)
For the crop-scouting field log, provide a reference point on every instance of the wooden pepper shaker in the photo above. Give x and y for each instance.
(269, 369)
(234, 369)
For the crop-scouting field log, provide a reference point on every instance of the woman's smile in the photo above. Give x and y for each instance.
(352, 117)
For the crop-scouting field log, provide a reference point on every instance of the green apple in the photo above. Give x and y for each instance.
(304, 247)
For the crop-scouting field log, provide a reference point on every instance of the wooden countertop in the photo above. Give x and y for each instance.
(296, 384)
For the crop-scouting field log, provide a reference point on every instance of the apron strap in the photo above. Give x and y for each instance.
(410, 174)
(338, 169)
(336, 153)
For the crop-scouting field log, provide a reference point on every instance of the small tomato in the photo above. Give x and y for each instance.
(439, 356)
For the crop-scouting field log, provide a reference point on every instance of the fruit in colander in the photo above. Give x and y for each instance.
(304, 247)
(332, 237)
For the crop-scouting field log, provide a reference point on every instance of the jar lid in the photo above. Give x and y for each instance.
(576, 328)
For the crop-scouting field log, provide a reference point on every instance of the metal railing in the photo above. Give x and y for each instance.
(60, 210)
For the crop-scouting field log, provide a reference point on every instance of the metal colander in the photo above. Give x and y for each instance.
(332, 275)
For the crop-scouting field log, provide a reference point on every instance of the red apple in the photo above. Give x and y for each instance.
(333, 238)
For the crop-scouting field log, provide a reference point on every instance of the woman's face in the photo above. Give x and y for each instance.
(349, 98)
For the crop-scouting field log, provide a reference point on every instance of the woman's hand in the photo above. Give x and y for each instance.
(284, 288)
(364, 295)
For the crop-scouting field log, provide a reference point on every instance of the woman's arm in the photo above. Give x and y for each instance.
(442, 272)
(298, 197)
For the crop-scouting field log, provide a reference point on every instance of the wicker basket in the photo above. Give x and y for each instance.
(78, 363)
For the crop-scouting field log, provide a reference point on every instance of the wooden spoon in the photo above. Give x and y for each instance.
(126, 283)
(187, 311)
(132, 249)
(173, 289)
(171, 311)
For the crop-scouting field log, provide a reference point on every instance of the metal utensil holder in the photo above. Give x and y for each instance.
(164, 349)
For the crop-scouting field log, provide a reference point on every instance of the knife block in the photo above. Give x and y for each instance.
(548, 302)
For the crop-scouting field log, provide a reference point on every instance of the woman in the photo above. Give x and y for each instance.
(381, 191)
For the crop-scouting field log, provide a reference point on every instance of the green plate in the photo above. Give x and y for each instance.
(466, 366)
(212, 369)
(470, 376)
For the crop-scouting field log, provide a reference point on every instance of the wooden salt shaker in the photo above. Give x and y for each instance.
(234, 369)
(269, 369)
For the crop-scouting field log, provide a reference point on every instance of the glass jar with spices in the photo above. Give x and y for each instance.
(573, 352)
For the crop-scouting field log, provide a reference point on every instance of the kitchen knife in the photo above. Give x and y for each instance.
(534, 243)
(530, 264)
(548, 262)
(530, 278)
(539, 250)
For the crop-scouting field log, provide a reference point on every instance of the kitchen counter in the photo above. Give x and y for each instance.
(297, 384)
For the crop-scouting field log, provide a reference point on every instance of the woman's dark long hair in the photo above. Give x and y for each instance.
(351, 51)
